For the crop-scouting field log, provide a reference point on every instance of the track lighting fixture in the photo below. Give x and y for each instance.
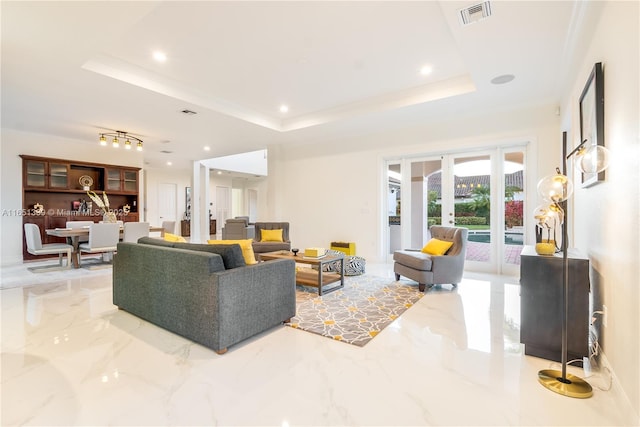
(117, 135)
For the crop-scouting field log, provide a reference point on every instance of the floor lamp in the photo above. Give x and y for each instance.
(556, 189)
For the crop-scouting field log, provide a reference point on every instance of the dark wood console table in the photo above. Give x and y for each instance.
(541, 305)
(185, 227)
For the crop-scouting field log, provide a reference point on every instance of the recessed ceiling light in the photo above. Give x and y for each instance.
(500, 80)
(219, 172)
(207, 148)
(284, 109)
(159, 56)
(169, 163)
(426, 70)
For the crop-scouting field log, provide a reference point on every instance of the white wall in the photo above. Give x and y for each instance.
(253, 162)
(607, 216)
(336, 190)
(153, 178)
(220, 181)
(241, 205)
(15, 143)
(242, 185)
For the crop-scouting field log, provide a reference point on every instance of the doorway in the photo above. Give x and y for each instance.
(167, 204)
(482, 191)
(223, 206)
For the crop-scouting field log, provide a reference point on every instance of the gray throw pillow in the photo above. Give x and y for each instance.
(155, 241)
(231, 254)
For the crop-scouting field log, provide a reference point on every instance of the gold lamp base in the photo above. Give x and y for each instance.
(571, 386)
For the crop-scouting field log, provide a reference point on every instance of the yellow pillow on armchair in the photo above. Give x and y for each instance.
(437, 247)
(271, 235)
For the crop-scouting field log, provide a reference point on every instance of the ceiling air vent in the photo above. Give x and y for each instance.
(475, 13)
(188, 112)
(166, 151)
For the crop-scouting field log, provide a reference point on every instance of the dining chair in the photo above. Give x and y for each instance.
(119, 222)
(35, 247)
(169, 226)
(103, 238)
(135, 230)
(80, 224)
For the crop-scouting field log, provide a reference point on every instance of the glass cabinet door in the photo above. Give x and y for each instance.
(130, 181)
(58, 175)
(35, 174)
(43, 174)
(113, 179)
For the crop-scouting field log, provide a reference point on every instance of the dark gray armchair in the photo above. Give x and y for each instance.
(237, 229)
(261, 247)
(434, 269)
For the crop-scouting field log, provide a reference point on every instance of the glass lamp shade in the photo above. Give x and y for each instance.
(594, 159)
(555, 188)
(556, 212)
(548, 216)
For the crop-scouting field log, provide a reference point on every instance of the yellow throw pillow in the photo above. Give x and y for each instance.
(174, 238)
(437, 247)
(245, 245)
(271, 235)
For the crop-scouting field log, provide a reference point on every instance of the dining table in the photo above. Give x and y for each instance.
(73, 236)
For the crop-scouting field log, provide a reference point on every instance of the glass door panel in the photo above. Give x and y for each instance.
(472, 208)
(426, 199)
(393, 195)
(480, 191)
(514, 196)
(421, 188)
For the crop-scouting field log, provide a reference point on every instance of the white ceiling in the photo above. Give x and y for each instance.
(75, 69)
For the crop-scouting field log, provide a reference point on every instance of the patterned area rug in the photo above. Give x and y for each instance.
(356, 313)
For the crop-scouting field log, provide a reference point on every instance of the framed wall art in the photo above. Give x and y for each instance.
(592, 117)
(187, 202)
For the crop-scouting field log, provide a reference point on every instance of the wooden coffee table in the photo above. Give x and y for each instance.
(311, 277)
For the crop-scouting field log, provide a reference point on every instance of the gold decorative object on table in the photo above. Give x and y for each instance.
(107, 214)
(38, 209)
(547, 218)
(546, 247)
(86, 181)
(126, 209)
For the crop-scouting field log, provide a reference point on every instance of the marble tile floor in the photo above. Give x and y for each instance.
(69, 357)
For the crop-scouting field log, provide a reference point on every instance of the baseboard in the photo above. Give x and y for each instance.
(10, 261)
(631, 418)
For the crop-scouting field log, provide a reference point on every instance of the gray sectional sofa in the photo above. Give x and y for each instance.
(202, 292)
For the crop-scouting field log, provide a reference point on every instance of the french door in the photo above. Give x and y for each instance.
(482, 191)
